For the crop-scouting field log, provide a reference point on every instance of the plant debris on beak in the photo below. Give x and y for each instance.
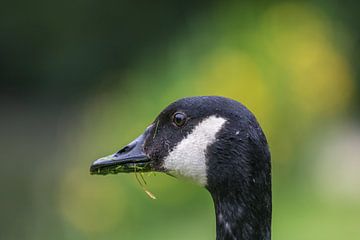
(130, 159)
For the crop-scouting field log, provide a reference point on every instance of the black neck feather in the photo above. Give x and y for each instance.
(242, 217)
(239, 180)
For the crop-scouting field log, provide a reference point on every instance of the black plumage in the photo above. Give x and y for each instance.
(237, 163)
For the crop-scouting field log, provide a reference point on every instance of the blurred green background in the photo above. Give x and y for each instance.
(79, 79)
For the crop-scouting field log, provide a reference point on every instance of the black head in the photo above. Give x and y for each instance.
(213, 140)
(218, 143)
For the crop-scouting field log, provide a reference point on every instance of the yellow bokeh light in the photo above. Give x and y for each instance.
(90, 204)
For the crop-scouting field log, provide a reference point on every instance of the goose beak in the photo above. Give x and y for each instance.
(131, 158)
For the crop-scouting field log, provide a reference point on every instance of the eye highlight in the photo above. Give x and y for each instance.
(179, 119)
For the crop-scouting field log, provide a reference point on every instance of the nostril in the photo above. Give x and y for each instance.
(125, 149)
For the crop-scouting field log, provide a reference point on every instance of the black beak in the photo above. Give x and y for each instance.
(131, 158)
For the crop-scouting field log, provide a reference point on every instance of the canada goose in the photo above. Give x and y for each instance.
(216, 142)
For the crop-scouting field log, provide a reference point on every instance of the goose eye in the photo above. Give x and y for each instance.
(179, 119)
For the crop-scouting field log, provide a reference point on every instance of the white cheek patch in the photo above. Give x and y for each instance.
(188, 156)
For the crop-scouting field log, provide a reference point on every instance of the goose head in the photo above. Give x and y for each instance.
(216, 142)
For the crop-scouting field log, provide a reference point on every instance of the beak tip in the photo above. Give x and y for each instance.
(93, 168)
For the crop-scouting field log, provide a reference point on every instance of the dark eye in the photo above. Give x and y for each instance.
(179, 119)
